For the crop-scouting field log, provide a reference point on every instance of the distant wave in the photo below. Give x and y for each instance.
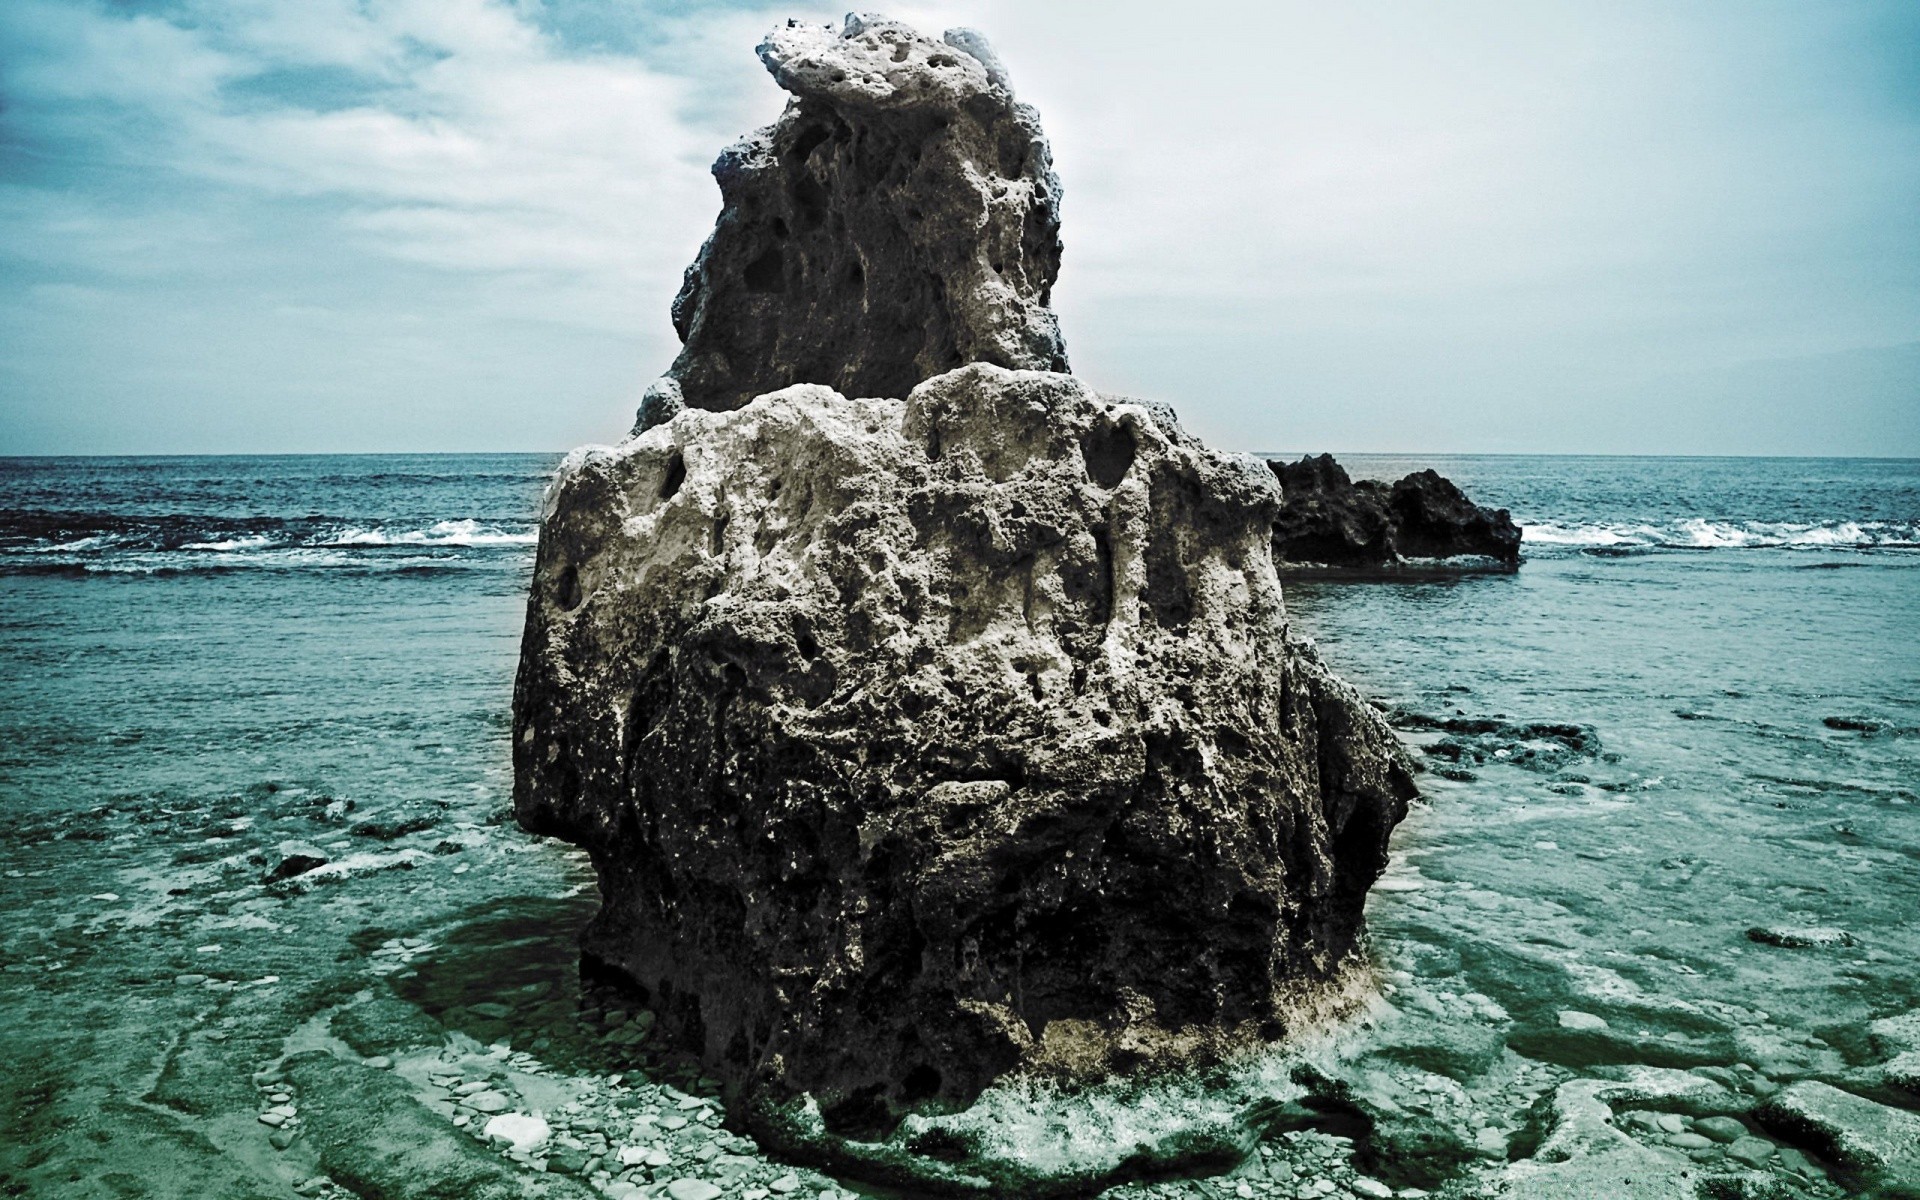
(39, 542)
(440, 533)
(1700, 534)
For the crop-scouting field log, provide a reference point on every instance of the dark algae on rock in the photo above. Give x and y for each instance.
(925, 741)
(1329, 520)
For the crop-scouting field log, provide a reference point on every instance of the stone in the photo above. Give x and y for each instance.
(567, 1161)
(1752, 1151)
(920, 709)
(297, 858)
(1372, 1188)
(1903, 1071)
(1850, 1130)
(784, 1184)
(1328, 520)
(1896, 1034)
(1580, 1021)
(692, 1189)
(900, 219)
(1796, 938)
(487, 1102)
(1720, 1129)
(518, 1130)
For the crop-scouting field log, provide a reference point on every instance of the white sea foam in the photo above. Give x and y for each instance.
(465, 532)
(235, 545)
(1697, 533)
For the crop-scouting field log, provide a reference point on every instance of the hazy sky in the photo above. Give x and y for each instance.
(316, 225)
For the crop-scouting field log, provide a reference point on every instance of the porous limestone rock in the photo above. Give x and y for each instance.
(931, 718)
(900, 219)
(916, 742)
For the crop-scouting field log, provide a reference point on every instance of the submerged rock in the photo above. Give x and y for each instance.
(900, 219)
(1329, 520)
(949, 730)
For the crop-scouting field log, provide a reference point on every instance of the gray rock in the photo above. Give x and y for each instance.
(1800, 938)
(1903, 1071)
(1850, 1130)
(692, 1189)
(899, 220)
(892, 725)
(1720, 1129)
(297, 858)
(1752, 1151)
(567, 1160)
(488, 1102)
(1897, 1034)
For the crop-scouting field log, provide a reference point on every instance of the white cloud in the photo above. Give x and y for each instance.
(1346, 225)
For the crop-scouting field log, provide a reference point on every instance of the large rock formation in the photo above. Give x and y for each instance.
(926, 738)
(900, 219)
(1331, 521)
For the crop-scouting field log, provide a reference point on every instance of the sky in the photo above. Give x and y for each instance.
(254, 226)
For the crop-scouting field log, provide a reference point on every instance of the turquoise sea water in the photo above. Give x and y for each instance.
(1694, 711)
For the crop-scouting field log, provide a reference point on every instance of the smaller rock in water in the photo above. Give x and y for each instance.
(297, 858)
(521, 1131)
(487, 1102)
(692, 1189)
(1364, 1186)
(1720, 1129)
(568, 1161)
(1327, 519)
(1581, 1022)
(1853, 724)
(1812, 938)
(1752, 1151)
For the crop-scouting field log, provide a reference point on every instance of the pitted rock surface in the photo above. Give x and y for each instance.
(917, 742)
(899, 220)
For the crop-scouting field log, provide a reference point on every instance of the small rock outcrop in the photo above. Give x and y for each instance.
(899, 220)
(943, 726)
(1328, 520)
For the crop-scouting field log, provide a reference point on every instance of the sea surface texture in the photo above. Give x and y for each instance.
(1672, 820)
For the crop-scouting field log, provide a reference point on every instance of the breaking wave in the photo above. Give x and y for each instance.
(1697, 533)
(80, 543)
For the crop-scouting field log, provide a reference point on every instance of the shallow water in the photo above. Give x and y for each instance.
(1695, 711)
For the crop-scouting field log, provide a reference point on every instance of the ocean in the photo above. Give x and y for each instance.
(1687, 728)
